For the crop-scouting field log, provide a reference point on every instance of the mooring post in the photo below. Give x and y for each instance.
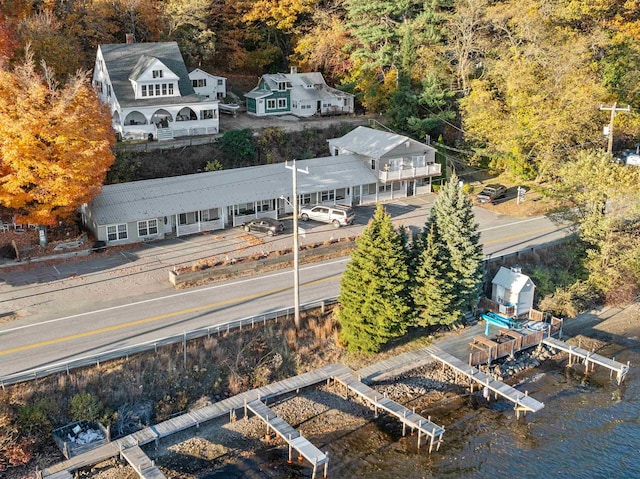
(290, 460)
(419, 432)
(404, 422)
(326, 463)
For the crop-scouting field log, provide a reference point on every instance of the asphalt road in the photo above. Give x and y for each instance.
(75, 309)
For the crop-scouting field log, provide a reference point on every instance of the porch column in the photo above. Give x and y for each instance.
(177, 224)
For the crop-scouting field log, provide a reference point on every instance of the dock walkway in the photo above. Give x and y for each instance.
(145, 468)
(420, 357)
(589, 358)
(191, 419)
(293, 438)
(409, 418)
(522, 401)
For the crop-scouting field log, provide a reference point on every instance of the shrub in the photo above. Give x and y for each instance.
(86, 407)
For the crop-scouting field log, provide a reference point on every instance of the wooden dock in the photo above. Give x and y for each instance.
(425, 427)
(191, 419)
(589, 358)
(145, 468)
(522, 401)
(294, 439)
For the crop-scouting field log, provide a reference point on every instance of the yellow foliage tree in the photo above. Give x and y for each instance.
(55, 144)
(281, 14)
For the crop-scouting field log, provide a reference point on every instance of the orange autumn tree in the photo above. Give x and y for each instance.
(55, 144)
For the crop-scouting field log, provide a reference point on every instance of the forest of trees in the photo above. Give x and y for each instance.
(516, 83)
(520, 81)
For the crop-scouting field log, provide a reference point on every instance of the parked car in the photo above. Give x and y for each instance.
(337, 215)
(264, 225)
(490, 193)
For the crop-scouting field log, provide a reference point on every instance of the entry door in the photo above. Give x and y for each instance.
(281, 207)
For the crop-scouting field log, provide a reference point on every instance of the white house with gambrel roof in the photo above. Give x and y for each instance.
(300, 94)
(150, 93)
(153, 209)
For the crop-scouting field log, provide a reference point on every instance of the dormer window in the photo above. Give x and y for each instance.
(157, 73)
(282, 86)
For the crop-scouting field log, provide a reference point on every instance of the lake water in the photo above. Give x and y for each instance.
(589, 428)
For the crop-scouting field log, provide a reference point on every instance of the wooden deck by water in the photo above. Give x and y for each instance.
(589, 358)
(425, 427)
(293, 438)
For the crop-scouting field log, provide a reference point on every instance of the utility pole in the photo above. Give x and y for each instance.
(296, 268)
(613, 110)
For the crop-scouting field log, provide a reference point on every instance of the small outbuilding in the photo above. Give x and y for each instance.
(512, 291)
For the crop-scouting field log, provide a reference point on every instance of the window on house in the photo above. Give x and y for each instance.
(305, 199)
(200, 82)
(329, 195)
(373, 164)
(158, 90)
(170, 88)
(157, 73)
(164, 89)
(209, 215)
(271, 104)
(282, 86)
(264, 205)
(417, 160)
(220, 81)
(117, 232)
(147, 227)
(108, 90)
(384, 188)
(207, 115)
(282, 102)
(187, 218)
(144, 90)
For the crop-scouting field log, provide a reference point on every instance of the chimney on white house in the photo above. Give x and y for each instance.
(294, 70)
(130, 38)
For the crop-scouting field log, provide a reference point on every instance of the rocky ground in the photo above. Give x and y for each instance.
(222, 446)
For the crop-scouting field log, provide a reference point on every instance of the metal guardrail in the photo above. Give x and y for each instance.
(214, 329)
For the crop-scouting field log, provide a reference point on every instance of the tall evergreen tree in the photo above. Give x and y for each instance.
(375, 298)
(433, 295)
(457, 236)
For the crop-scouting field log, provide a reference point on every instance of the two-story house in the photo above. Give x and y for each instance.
(208, 85)
(356, 173)
(300, 94)
(402, 166)
(150, 93)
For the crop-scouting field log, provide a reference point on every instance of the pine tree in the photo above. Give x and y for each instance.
(457, 238)
(433, 295)
(375, 296)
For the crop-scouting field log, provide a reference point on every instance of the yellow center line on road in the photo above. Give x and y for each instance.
(155, 318)
(522, 235)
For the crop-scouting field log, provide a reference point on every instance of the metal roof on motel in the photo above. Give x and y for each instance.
(147, 199)
(375, 143)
